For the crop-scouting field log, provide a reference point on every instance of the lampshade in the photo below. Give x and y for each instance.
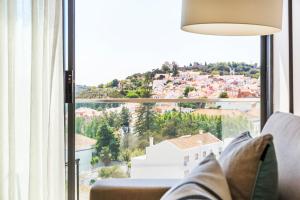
(232, 17)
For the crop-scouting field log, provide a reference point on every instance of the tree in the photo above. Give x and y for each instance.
(166, 68)
(145, 119)
(125, 119)
(187, 90)
(126, 157)
(106, 138)
(94, 161)
(114, 83)
(90, 128)
(105, 155)
(223, 95)
(132, 94)
(79, 123)
(175, 71)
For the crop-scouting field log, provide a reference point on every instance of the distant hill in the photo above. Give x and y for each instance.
(80, 88)
(140, 85)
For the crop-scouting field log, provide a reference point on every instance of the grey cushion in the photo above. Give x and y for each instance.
(285, 129)
(250, 167)
(206, 181)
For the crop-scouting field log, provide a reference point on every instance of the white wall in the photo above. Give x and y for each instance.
(165, 160)
(281, 65)
(281, 61)
(85, 157)
(296, 37)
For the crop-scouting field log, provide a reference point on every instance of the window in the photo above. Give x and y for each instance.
(141, 90)
(186, 160)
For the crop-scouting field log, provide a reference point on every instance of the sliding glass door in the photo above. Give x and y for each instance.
(146, 91)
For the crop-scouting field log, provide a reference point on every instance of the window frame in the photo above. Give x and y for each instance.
(266, 63)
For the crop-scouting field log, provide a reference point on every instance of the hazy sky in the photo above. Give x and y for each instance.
(116, 38)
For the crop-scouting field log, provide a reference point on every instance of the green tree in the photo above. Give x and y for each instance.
(126, 157)
(234, 125)
(105, 155)
(113, 83)
(187, 90)
(95, 160)
(125, 119)
(106, 138)
(223, 95)
(145, 119)
(79, 124)
(91, 127)
(175, 70)
(165, 68)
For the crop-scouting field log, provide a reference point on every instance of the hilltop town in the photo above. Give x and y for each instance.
(216, 80)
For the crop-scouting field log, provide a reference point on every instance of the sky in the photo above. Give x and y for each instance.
(117, 38)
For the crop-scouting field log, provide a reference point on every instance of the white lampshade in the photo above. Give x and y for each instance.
(232, 17)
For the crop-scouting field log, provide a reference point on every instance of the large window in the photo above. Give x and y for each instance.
(151, 100)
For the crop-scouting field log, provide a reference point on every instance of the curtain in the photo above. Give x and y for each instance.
(31, 100)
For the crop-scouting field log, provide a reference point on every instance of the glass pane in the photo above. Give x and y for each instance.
(147, 91)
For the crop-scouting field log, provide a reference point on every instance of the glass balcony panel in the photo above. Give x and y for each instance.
(152, 138)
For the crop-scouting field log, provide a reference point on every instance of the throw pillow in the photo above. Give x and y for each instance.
(206, 181)
(250, 167)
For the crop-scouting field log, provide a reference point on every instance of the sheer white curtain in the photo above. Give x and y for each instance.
(31, 100)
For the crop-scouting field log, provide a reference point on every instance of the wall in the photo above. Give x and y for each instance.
(281, 61)
(296, 36)
(85, 157)
(281, 65)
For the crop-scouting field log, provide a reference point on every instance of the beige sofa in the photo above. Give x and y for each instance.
(286, 131)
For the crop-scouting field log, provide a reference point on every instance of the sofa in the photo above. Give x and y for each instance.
(285, 129)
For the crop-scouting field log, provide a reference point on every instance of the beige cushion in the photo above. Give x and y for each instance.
(206, 181)
(242, 161)
(285, 129)
(130, 189)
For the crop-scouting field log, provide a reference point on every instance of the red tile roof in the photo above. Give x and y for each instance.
(188, 141)
(82, 142)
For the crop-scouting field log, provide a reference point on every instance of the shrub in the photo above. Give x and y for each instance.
(112, 172)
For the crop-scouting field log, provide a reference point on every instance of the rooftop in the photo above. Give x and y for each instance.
(190, 141)
(83, 142)
(218, 112)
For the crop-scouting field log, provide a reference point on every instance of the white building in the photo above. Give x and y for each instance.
(84, 149)
(174, 158)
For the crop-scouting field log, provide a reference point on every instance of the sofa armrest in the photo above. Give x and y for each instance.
(130, 189)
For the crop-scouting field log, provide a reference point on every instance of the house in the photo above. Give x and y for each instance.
(86, 113)
(174, 158)
(84, 149)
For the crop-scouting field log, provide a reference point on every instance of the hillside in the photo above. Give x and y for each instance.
(172, 81)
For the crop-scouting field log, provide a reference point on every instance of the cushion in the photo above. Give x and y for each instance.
(130, 189)
(285, 129)
(206, 181)
(250, 167)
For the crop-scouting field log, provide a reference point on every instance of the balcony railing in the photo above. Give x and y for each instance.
(177, 100)
(169, 119)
